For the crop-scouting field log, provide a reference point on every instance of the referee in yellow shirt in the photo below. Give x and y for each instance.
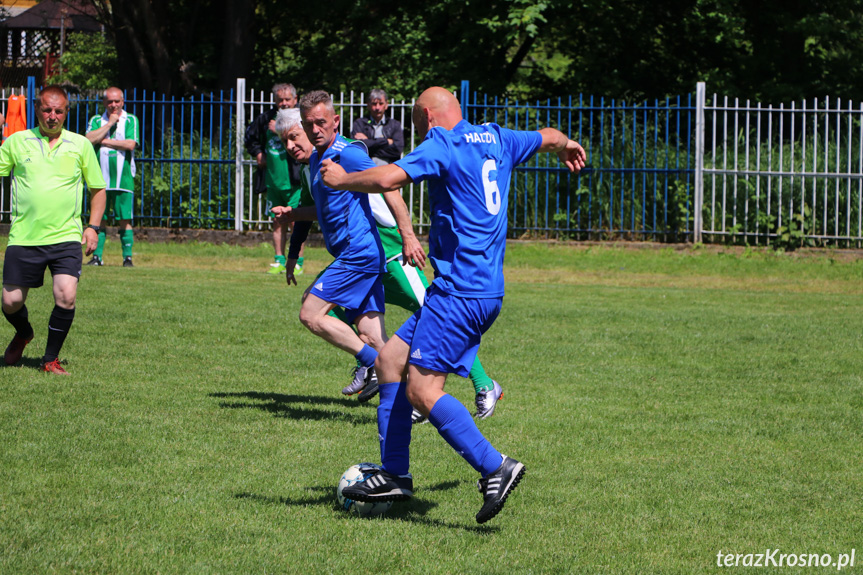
(49, 166)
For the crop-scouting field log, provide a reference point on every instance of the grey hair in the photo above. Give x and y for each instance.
(282, 87)
(286, 120)
(312, 99)
(377, 94)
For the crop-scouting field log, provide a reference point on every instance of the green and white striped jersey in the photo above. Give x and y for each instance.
(118, 167)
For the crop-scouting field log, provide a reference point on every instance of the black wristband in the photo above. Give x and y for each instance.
(97, 228)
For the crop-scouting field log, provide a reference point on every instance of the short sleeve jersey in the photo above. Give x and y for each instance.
(48, 186)
(345, 218)
(118, 166)
(388, 231)
(468, 170)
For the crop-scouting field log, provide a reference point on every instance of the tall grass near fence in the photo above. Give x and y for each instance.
(189, 183)
(185, 161)
(668, 404)
(788, 176)
(636, 185)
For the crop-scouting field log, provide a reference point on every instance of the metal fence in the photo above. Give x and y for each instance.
(679, 169)
(185, 163)
(639, 172)
(788, 173)
(349, 106)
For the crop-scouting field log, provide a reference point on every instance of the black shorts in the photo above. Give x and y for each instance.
(24, 266)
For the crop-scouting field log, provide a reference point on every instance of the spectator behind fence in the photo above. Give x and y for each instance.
(281, 174)
(382, 135)
(115, 135)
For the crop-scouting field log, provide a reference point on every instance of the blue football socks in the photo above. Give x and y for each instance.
(394, 427)
(456, 426)
(367, 356)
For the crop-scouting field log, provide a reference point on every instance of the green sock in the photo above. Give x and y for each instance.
(127, 238)
(480, 379)
(300, 262)
(100, 247)
(281, 260)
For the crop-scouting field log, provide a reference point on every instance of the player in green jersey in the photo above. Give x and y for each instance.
(49, 166)
(115, 135)
(281, 173)
(404, 285)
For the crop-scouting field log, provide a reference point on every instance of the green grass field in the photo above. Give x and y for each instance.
(668, 405)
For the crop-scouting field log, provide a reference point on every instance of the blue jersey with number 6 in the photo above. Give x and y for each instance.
(468, 170)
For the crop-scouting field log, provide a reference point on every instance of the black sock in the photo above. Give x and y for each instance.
(58, 329)
(20, 322)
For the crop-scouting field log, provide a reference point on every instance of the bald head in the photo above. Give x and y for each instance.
(113, 100)
(436, 107)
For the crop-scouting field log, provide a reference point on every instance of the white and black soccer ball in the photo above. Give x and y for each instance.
(355, 474)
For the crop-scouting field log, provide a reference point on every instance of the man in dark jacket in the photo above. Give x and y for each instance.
(382, 135)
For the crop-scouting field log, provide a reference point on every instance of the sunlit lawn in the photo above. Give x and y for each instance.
(668, 404)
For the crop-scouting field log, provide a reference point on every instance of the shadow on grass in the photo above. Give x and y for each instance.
(30, 362)
(446, 485)
(298, 406)
(414, 510)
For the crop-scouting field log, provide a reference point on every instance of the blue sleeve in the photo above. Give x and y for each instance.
(354, 158)
(520, 145)
(429, 159)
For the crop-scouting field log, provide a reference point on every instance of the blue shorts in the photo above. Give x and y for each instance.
(444, 334)
(357, 292)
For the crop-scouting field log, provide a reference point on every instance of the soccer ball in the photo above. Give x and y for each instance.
(355, 474)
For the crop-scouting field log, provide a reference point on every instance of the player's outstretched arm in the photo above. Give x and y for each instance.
(412, 250)
(287, 214)
(569, 151)
(375, 180)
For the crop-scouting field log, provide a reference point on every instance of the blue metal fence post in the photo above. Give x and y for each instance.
(31, 101)
(465, 96)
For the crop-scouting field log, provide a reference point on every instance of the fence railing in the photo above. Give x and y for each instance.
(678, 169)
(789, 172)
(350, 106)
(639, 167)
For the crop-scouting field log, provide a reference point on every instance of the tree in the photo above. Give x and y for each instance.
(89, 62)
(180, 46)
(775, 50)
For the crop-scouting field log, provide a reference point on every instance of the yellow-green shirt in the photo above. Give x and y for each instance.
(48, 186)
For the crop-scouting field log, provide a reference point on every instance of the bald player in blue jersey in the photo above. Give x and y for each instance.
(353, 280)
(468, 168)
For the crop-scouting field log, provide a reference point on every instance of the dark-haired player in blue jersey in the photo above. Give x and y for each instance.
(468, 169)
(353, 280)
